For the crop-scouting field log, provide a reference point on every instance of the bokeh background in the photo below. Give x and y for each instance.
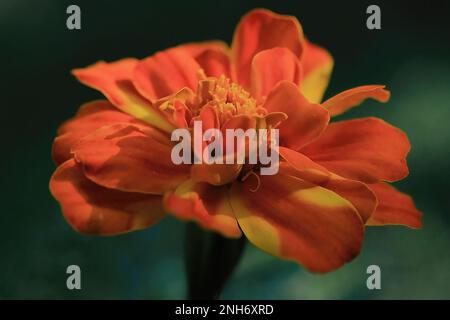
(410, 55)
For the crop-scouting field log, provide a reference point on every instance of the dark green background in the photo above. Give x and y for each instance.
(410, 55)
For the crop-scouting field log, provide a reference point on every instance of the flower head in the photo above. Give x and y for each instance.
(115, 170)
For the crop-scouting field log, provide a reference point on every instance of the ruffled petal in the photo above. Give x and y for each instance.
(92, 209)
(305, 122)
(130, 158)
(271, 66)
(114, 81)
(294, 219)
(317, 66)
(394, 207)
(90, 117)
(354, 97)
(366, 149)
(207, 205)
(259, 30)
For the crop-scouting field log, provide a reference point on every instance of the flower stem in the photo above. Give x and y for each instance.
(209, 260)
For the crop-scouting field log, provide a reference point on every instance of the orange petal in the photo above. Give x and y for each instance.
(177, 107)
(114, 81)
(353, 97)
(212, 57)
(394, 207)
(130, 158)
(90, 116)
(259, 30)
(207, 205)
(220, 174)
(317, 66)
(92, 209)
(356, 192)
(366, 149)
(272, 66)
(305, 122)
(294, 219)
(165, 73)
(215, 174)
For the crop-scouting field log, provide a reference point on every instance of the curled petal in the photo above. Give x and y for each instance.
(90, 117)
(114, 81)
(259, 30)
(358, 193)
(354, 97)
(177, 107)
(305, 122)
(394, 207)
(294, 219)
(366, 149)
(207, 205)
(92, 209)
(317, 66)
(166, 72)
(272, 66)
(130, 158)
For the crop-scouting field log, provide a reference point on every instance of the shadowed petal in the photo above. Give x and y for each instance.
(212, 56)
(207, 205)
(92, 209)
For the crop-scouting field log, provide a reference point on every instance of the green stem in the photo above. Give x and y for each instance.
(210, 260)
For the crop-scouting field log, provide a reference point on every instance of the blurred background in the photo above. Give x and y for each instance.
(410, 54)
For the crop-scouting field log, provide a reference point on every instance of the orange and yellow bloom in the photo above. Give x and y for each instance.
(116, 175)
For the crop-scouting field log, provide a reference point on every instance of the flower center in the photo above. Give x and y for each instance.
(227, 98)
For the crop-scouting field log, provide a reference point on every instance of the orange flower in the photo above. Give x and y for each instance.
(115, 171)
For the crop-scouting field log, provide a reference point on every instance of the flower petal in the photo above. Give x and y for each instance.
(317, 66)
(90, 117)
(114, 81)
(394, 207)
(294, 219)
(358, 193)
(272, 66)
(305, 122)
(212, 57)
(165, 73)
(92, 209)
(220, 174)
(353, 97)
(130, 158)
(259, 30)
(366, 149)
(207, 205)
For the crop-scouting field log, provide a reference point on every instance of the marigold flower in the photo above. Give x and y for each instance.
(115, 172)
